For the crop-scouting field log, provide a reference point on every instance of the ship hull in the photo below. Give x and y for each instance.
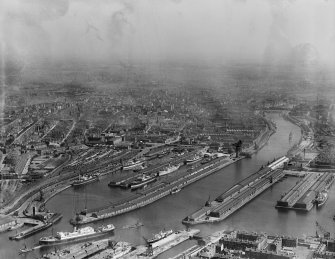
(319, 204)
(160, 173)
(132, 167)
(190, 162)
(75, 239)
(77, 184)
(322, 201)
(162, 241)
(139, 185)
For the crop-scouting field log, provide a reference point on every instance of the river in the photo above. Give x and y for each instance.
(259, 215)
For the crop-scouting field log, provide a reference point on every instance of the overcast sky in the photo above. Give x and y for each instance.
(167, 30)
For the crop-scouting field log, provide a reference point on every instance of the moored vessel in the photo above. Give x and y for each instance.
(159, 236)
(321, 198)
(175, 190)
(193, 160)
(77, 235)
(142, 181)
(169, 169)
(133, 164)
(84, 179)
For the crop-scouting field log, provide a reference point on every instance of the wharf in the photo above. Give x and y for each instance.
(30, 231)
(238, 195)
(150, 195)
(79, 251)
(37, 226)
(194, 250)
(150, 253)
(125, 180)
(109, 249)
(303, 194)
(181, 237)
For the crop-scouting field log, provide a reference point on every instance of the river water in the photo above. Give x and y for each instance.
(259, 215)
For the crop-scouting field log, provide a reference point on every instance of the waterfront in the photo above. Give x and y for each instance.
(168, 212)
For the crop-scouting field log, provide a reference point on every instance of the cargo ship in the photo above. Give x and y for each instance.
(169, 169)
(76, 235)
(321, 198)
(142, 181)
(193, 160)
(133, 164)
(161, 238)
(85, 179)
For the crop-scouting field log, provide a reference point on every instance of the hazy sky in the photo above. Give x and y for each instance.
(167, 30)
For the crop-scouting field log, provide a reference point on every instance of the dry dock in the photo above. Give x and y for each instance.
(238, 195)
(303, 194)
(150, 195)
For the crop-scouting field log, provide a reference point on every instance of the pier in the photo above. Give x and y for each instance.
(106, 248)
(238, 195)
(150, 253)
(125, 180)
(148, 196)
(37, 226)
(303, 194)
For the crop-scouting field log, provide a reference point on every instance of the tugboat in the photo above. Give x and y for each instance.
(142, 181)
(76, 235)
(84, 179)
(321, 198)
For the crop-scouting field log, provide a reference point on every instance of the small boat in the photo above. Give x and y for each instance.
(137, 225)
(25, 250)
(175, 190)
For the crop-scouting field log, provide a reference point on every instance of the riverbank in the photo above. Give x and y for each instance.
(262, 138)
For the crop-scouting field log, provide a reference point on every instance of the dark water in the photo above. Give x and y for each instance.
(259, 215)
